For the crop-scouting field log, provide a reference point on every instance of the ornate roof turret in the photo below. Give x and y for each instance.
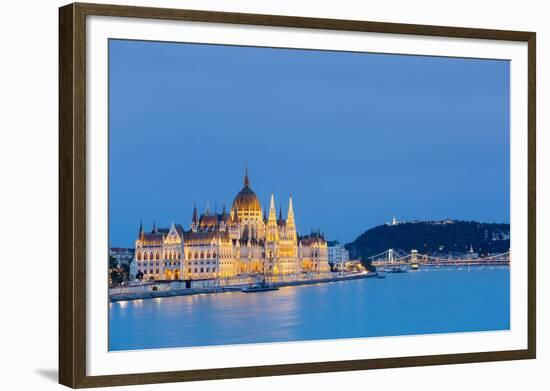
(224, 215)
(290, 215)
(272, 217)
(281, 222)
(246, 200)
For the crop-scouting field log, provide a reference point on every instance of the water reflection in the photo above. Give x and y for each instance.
(426, 301)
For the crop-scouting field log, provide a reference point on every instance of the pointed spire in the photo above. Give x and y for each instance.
(207, 208)
(246, 180)
(272, 217)
(195, 215)
(154, 227)
(140, 233)
(290, 215)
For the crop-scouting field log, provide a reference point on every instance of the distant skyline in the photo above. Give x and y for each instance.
(357, 138)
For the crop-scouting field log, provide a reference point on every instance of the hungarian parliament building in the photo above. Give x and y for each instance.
(244, 241)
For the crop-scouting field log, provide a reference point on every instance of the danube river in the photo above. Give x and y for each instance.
(417, 302)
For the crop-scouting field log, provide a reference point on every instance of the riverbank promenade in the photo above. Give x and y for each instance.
(169, 289)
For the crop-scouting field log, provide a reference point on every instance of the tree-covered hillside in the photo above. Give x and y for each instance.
(432, 237)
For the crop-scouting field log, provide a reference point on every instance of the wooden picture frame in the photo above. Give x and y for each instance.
(73, 199)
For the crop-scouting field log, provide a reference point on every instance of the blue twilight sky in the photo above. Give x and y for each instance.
(356, 137)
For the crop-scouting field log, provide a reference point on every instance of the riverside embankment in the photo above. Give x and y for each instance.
(152, 294)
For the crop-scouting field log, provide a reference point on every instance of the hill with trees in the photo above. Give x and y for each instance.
(432, 238)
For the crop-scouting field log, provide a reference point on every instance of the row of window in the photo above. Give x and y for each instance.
(202, 262)
(156, 256)
(144, 271)
(195, 270)
(151, 271)
(173, 255)
(201, 255)
(201, 270)
(197, 255)
(157, 264)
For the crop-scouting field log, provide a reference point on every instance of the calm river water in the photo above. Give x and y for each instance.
(419, 302)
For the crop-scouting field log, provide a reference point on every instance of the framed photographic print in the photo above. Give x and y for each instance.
(255, 195)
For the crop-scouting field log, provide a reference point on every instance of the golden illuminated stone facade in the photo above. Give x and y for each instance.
(242, 242)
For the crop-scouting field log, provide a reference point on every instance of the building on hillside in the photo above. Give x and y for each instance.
(244, 241)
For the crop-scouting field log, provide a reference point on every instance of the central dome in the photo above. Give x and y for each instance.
(246, 199)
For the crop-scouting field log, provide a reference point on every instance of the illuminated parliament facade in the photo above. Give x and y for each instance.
(244, 241)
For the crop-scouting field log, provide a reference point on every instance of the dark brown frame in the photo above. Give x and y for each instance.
(72, 194)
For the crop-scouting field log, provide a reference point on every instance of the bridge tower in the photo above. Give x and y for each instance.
(414, 259)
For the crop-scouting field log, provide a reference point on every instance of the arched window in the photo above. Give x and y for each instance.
(144, 256)
(208, 254)
(196, 254)
(214, 254)
(202, 254)
(139, 256)
(190, 255)
(157, 256)
(151, 255)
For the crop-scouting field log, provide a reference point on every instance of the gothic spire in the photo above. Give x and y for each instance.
(290, 215)
(246, 180)
(272, 217)
(140, 233)
(195, 215)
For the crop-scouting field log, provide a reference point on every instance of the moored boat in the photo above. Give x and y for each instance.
(396, 269)
(262, 287)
